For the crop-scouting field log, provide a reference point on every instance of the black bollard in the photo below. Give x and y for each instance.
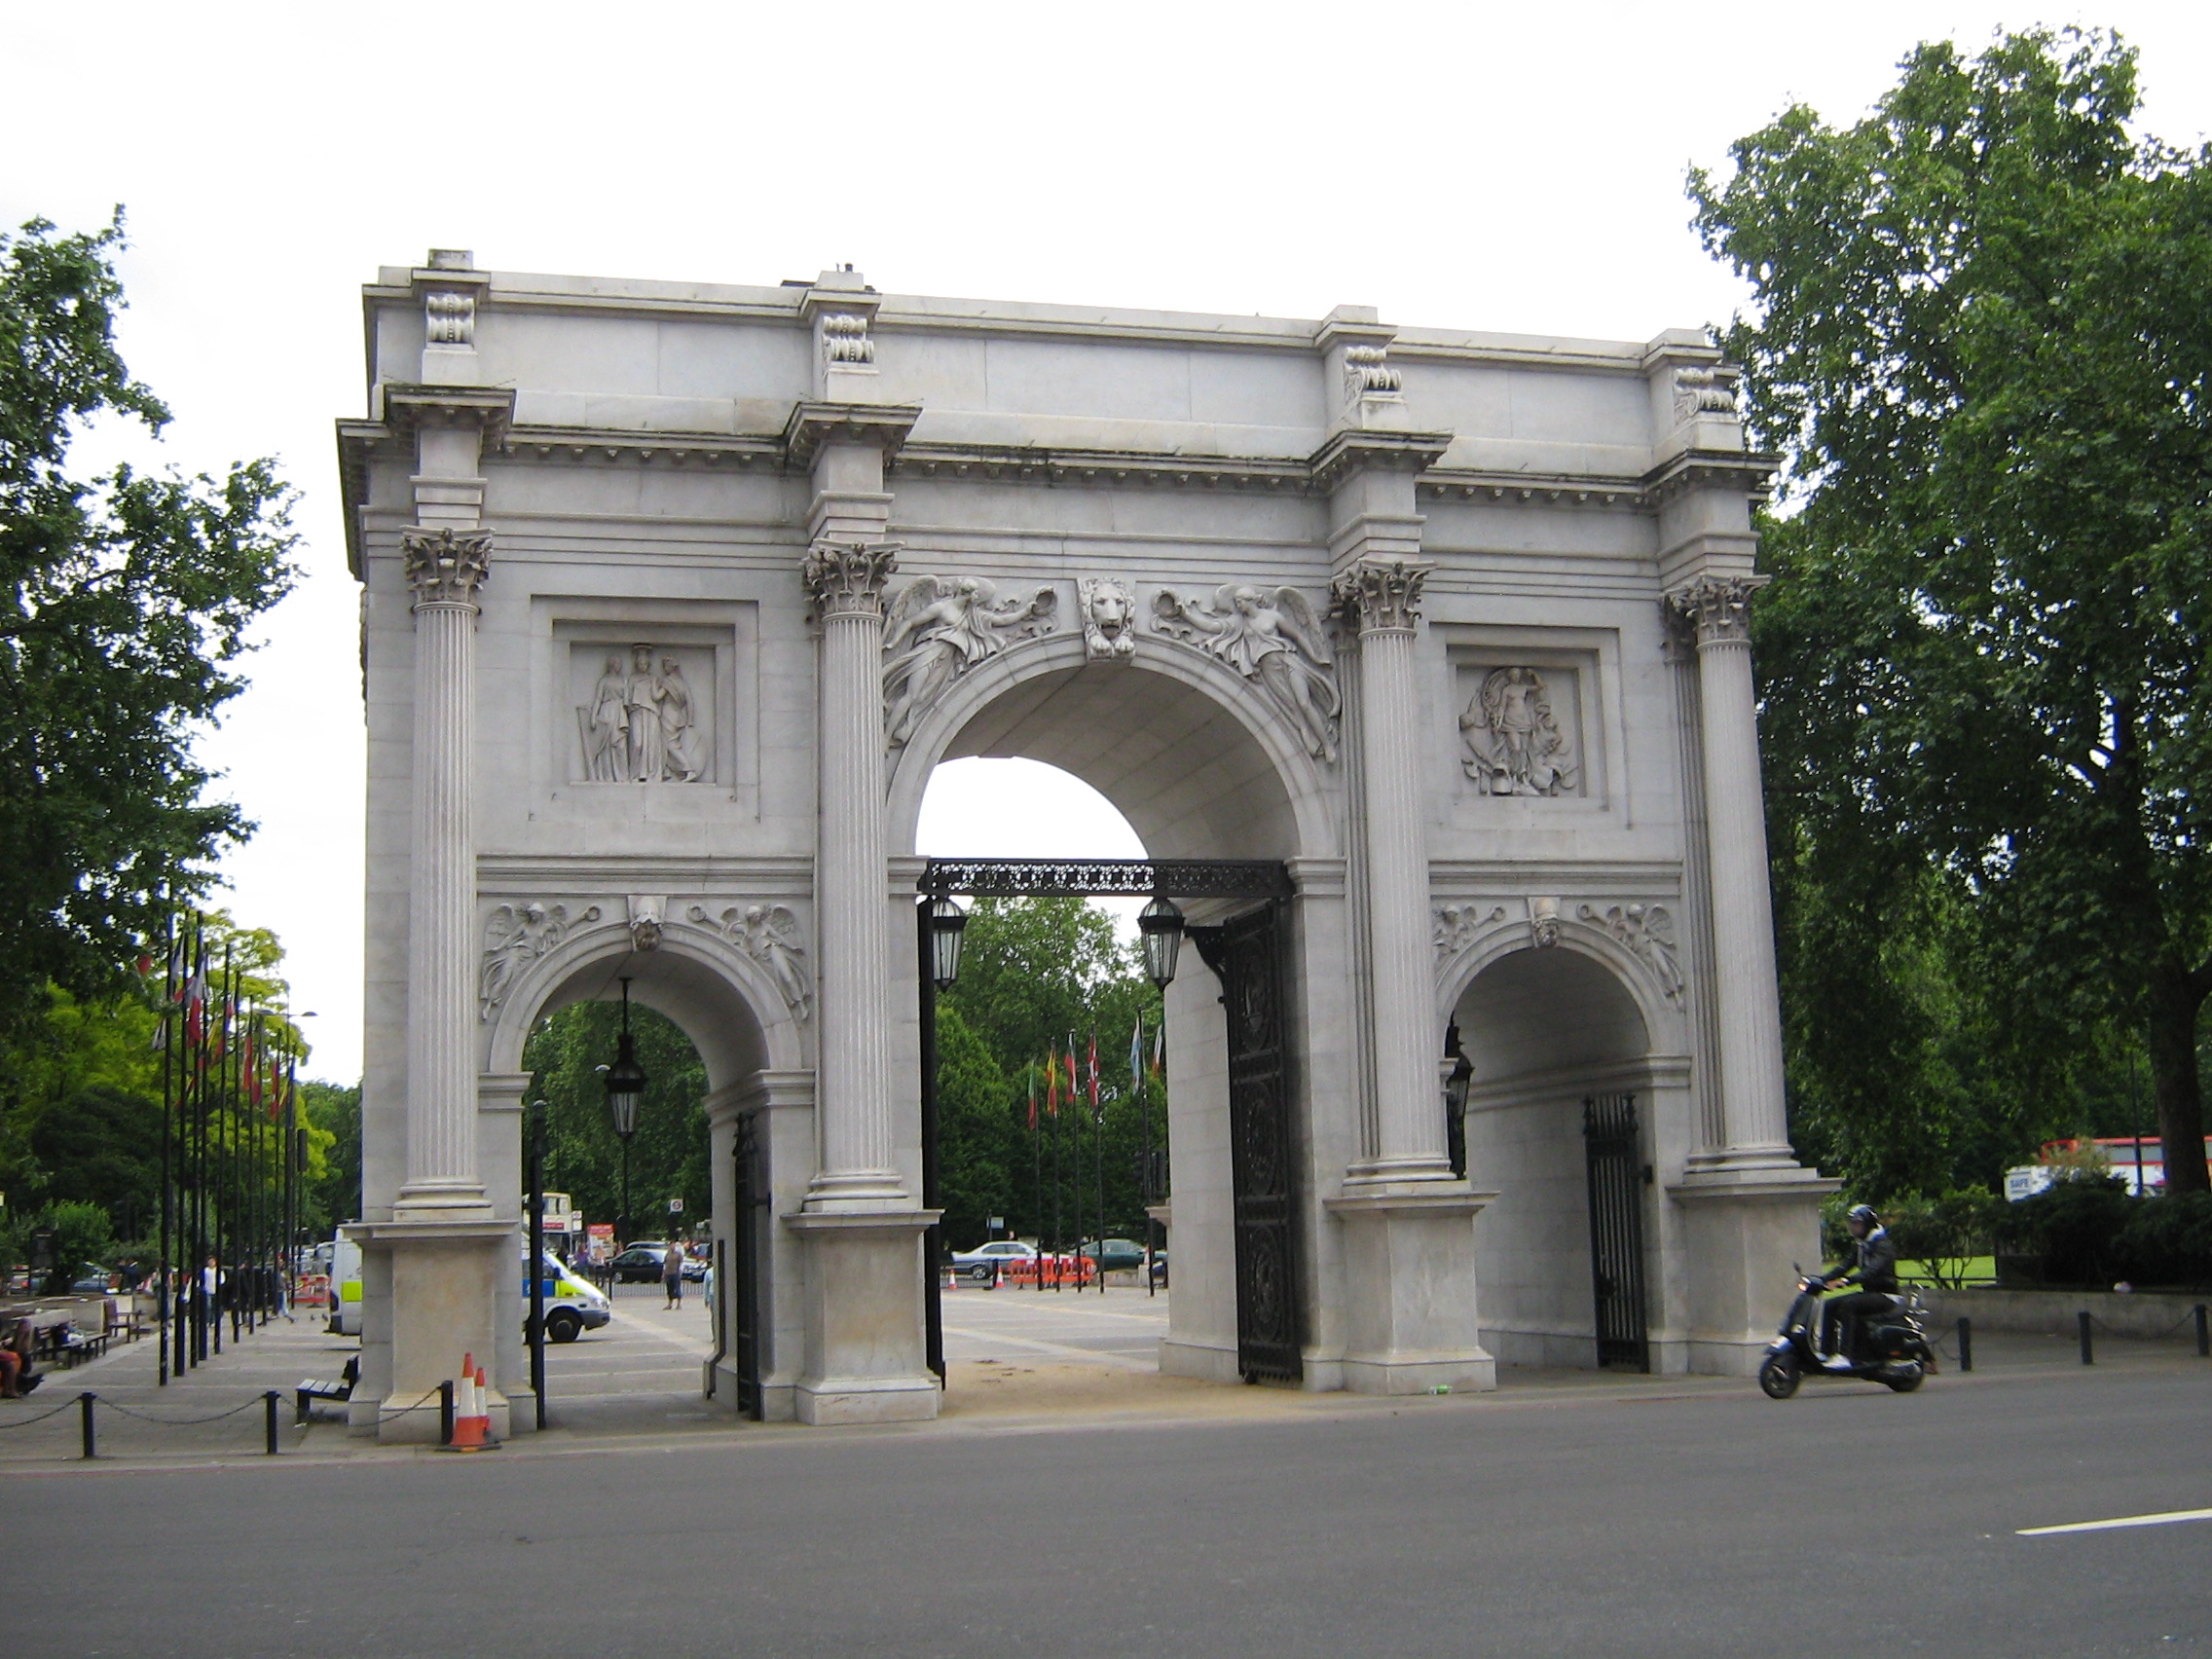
(2204, 1336)
(445, 1413)
(85, 1410)
(2082, 1323)
(1966, 1342)
(268, 1419)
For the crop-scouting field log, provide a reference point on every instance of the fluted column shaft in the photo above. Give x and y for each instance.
(444, 567)
(1409, 1111)
(857, 1167)
(1750, 1013)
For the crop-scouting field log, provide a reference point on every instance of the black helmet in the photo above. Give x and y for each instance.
(1864, 1213)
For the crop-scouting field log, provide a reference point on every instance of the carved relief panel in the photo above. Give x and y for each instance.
(1534, 723)
(644, 712)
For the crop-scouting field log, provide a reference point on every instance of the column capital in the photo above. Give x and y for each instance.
(845, 578)
(1381, 594)
(1719, 607)
(445, 565)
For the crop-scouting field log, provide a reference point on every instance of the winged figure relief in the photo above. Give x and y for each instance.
(514, 936)
(1273, 637)
(939, 627)
(769, 935)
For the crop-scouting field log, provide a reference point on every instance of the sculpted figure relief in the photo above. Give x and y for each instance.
(1109, 619)
(641, 725)
(938, 629)
(514, 936)
(1512, 740)
(1270, 635)
(769, 935)
(1647, 929)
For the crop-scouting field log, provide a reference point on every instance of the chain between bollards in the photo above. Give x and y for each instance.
(1966, 1342)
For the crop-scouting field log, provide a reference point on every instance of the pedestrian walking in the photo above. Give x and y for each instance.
(672, 1275)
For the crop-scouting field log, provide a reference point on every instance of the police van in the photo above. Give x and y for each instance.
(573, 1305)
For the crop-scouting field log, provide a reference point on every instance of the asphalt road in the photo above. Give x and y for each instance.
(1847, 1519)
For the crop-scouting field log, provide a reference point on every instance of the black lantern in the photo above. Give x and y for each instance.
(625, 1087)
(1455, 1082)
(948, 921)
(1161, 925)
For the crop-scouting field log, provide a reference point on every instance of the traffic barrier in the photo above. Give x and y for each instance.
(472, 1417)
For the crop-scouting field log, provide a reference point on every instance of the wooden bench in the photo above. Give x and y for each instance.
(310, 1391)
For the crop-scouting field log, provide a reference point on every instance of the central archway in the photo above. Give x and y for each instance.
(1190, 755)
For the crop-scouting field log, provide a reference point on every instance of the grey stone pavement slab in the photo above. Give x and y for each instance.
(1089, 1508)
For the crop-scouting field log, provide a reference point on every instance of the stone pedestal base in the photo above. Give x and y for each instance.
(866, 1355)
(1410, 1259)
(1744, 1231)
(445, 1279)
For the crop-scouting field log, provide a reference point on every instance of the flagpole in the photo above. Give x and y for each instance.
(1037, 1172)
(168, 1104)
(1098, 1157)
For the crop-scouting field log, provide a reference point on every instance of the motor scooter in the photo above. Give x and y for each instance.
(1890, 1348)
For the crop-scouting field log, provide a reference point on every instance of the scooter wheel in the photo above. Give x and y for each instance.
(1903, 1384)
(1779, 1375)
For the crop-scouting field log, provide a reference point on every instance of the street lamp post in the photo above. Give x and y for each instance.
(939, 925)
(625, 1088)
(1161, 925)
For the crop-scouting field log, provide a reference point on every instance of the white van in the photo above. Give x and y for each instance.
(345, 1286)
(573, 1306)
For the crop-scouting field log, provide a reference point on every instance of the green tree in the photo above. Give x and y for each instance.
(124, 599)
(331, 1114)
(669, 1156)
(1979, 332)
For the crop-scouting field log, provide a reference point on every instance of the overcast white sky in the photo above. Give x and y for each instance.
(1497, 166)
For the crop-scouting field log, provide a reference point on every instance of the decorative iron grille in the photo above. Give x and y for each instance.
(1184, 878)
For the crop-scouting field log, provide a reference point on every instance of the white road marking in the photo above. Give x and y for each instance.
(2166, 1519)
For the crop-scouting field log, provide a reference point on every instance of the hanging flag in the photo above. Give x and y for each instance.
(1052, 1085)
(1032, 1099)
(1158, 1050)
(1096, 1116)
(195, 1003)
(1136, 1054)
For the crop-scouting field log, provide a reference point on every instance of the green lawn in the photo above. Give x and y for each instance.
(1979, 1269)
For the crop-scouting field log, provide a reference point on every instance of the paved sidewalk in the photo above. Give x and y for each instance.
(1019, 1361)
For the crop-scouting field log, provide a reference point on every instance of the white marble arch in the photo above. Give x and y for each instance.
(757, 1057)
(1200, 765)
(1542, 1030)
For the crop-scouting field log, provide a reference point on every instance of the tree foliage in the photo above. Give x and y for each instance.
(123, 600)
(1036, 973)
(583, 1157)
(1978, 333)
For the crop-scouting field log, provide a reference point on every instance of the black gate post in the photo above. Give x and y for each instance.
(742, 1289)
(537, 1256)
(933, 1237)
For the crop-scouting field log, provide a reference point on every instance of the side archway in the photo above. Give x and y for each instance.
(1544, 1030)
(723, 1002)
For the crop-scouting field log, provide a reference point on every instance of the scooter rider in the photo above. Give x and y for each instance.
(1876, 1275)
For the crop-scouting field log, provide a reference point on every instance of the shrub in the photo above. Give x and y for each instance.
(2166, 1241)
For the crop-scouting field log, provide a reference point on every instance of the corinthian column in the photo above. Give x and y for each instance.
(1385, 595)
(1748, 1014)
(858, 1169)
(444, 568)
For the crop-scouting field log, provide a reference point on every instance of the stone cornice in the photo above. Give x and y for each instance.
(813, 424)
(1354, 451)
(1042, 465)
(1749, 474)
(406, 408)
(1553, 489)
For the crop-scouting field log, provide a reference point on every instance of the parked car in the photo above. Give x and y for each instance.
(983, 1263)
(92, 1279)
(1113, 1255)
(640, 1264)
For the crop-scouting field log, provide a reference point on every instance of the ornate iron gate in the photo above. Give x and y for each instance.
(1615, 1159)
(1262, 1181)
(744, 1288)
